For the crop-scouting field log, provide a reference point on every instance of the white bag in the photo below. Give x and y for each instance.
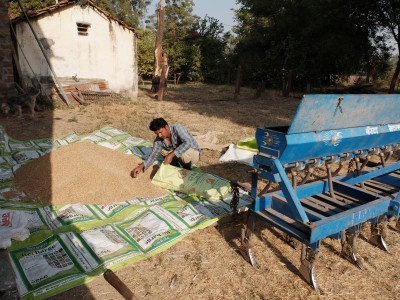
(13, 225)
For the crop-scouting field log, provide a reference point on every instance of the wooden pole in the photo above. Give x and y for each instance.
(59, 87)
(16, 60)
(17, 66)
(113, 279)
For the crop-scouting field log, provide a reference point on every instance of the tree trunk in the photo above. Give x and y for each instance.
(237, 84)
(260, 88)
(228, 77)
(285, 76)
(163, 83)
(395, 77)
(287, 83)
(308, 88)
(160, 56)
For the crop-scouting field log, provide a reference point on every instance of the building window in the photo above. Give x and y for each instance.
(82, 28)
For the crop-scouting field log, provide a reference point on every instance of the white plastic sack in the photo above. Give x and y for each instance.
(239, 155)
(13, 225)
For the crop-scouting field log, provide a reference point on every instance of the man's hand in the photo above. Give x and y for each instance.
(168, 159)
(135, 172)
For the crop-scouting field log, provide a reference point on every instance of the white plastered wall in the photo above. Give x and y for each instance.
(107, 52)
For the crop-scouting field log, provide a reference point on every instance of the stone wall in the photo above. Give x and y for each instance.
(6, 68)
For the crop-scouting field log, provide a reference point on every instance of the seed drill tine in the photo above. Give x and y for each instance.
(294, 178)
(310, 171)
(247, 238)
(329, 172)
(383, 161)
(389, 156)
(308, 259)
(358, 170)
(379, 232)
(349, 246)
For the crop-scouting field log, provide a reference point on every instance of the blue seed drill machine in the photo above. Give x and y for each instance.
(360, 132)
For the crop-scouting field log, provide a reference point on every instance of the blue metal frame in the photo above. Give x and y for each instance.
(319, 145)
(328, 128)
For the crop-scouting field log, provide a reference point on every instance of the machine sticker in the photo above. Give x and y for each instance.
(371, 130)
(332, 138)
(394, 127)
(271, 140)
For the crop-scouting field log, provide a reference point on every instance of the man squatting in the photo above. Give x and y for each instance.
(174, 142)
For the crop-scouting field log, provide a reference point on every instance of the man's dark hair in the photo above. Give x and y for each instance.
(157, 123)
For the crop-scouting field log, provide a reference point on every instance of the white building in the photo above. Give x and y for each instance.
(81, 41)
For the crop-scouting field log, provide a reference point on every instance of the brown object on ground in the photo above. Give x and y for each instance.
(113, 279)
(84, 173)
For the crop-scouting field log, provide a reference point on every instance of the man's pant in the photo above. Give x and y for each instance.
(188, 158)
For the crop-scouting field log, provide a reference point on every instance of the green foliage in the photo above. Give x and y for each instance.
(212, 42)
(318, 41)
(145, 50)
(178, 22)
(131, 12)
(15, 11)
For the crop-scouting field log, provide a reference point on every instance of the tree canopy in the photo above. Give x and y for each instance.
(316, 41)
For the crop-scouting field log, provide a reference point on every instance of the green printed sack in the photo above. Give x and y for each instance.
(193, 183)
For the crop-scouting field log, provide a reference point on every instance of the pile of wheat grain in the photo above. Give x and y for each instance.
(84, 173)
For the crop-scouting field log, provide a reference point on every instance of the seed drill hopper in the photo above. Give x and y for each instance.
(352, 139)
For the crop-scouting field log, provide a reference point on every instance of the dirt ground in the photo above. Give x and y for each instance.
(207, 264)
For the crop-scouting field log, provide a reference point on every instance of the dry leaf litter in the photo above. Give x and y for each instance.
(84, 173)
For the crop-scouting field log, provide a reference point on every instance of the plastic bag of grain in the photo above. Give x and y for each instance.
(192, 183)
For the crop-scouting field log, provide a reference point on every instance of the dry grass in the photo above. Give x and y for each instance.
(207, 264)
